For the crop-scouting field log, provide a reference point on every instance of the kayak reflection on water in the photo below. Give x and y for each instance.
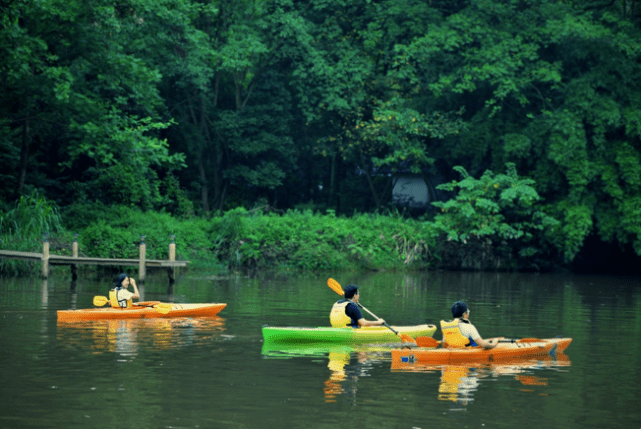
(459, 383)
(343, 378)
(126, 336)
(336, 365)
(344, 372)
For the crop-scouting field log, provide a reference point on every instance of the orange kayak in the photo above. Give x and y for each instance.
(142, 310)
(525, 348)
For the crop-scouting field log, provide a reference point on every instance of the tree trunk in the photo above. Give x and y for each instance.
(204, 186)
(370, 182)
(24, 155)
(332, 181)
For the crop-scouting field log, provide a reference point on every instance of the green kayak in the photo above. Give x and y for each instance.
(368, 334)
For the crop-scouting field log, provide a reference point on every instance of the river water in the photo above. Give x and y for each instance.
(215, 372)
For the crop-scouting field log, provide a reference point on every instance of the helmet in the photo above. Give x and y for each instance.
(458, 309)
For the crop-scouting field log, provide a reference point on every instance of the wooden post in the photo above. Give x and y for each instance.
(171, 271)
(74, 267)
(172, 249)
(141, 264)
(45, 257)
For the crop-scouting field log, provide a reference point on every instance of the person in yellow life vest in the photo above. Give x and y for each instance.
(346, 312)
(119, 296)
(461, 333)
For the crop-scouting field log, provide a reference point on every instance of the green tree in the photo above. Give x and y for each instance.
(223, 84)
(553, 87)
(80, 106)
(503, 211)
(364, 116)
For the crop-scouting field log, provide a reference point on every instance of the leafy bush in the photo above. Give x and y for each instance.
(305, 240)
(497, 214)
(120, 235)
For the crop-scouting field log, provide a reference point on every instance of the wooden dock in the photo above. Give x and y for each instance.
(142, 262)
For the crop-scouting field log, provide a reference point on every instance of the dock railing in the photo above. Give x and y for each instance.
(47, 259)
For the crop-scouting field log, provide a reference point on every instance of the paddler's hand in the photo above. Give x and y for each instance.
(381, 321)
(494, 342)
(136, 294)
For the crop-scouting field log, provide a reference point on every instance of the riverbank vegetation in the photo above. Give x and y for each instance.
(222, 121)
(493, 223)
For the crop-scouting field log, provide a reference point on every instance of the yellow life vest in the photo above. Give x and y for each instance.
(452, 335)
(337, 316)
(116, 303)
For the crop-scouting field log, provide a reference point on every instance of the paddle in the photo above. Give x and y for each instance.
(427, 342)
(99, 301)
(523, 340)
(431, 342)
(336, 287)
(161, 308)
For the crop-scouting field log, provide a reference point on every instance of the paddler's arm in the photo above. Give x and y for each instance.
(363, 322)
(487, 344)
(133, 284)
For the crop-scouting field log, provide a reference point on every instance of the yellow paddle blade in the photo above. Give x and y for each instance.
(335, 286)
(99, 301)
(162, 308)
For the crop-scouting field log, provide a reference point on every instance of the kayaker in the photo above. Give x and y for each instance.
(461, 333)
(119, 296)
(346, 312)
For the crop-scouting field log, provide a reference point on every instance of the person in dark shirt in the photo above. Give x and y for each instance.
(346, 312)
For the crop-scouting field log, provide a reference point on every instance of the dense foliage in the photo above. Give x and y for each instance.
(501, 208)
(205, 108)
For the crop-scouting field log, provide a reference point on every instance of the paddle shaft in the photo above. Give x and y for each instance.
(523, 340)
(373, 315)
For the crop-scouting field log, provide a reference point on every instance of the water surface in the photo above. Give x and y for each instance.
(216, 373)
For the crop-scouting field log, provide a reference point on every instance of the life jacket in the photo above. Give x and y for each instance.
(337, 316)
(452, 336)
(118, 303)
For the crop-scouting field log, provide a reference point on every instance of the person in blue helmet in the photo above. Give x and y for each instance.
(345, 312)
(460, 332)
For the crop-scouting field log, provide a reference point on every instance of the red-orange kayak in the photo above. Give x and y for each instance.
(525, 348)
(142, 310)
